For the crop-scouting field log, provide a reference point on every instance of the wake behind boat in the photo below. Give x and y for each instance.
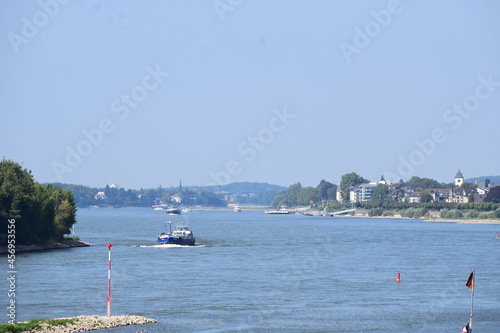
(181, 235)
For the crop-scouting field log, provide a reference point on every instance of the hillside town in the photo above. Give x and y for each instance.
(456, 194)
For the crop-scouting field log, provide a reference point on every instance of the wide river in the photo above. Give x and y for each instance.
(254, 272)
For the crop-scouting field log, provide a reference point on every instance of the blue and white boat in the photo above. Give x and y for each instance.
(173, 211)
(181, 235)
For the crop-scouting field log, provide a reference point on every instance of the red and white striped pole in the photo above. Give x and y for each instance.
(108, 312)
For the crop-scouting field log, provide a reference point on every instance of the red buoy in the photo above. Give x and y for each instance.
(497, 236)
(398, 277)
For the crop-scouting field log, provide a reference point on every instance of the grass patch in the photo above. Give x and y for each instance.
(72, 238)
(35, 324)
(61, 322)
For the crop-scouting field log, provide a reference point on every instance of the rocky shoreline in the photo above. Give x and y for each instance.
(92, 323)
(65, 244)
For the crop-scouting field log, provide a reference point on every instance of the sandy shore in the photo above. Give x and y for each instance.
(364, 213)
(465, 221)
(91, 323)
(49, 246)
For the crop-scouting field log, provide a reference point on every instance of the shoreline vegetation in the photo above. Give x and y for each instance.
(431, 216)
(74, 324)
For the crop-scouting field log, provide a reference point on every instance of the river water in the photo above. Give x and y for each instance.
(254, 272)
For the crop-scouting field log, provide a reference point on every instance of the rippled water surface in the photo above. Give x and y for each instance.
(252, 272)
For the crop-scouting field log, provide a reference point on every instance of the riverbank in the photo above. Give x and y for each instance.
(79, 324)
(435, 219)
(464, 221)
(434, 216)
(65, 244)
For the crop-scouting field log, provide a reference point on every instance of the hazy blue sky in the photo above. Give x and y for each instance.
(143, 93)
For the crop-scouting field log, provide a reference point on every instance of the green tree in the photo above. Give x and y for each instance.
(397, 193)
(307, 196)
(323, 188)
(296, 195)
(425, 197)
(468, 186)
(290, 197)
(65, 212)
(42, 213)
(17, 188)
(347, 182)
(493, 195)
(420, 184)
(332, 193)
(380, 194)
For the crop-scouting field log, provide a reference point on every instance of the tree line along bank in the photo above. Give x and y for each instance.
(42, 213)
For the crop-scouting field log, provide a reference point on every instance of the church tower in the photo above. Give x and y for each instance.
(459, 179)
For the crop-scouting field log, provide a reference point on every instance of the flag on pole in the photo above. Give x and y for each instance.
(466, 329)
(470, 281)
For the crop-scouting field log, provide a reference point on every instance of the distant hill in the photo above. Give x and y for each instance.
(247, 192)
(242, 193)
(493, 179)
(245, 187)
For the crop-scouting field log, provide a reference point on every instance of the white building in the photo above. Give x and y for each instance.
(175, 198)
(459, 179)
(362, 192)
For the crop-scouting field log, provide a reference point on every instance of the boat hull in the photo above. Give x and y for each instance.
(278, 212)
(177, 241)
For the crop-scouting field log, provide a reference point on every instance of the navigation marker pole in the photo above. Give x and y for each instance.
(108, 311)
(472, 298)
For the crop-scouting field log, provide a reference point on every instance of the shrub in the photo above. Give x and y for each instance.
(420, 212)
(455, 214)
(375, 212)
(408, 212)
(388, 213)
(484, 215)
(472, 214)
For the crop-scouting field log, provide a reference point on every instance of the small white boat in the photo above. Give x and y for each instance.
(161, 207)
(279, 211)
(237, 208)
